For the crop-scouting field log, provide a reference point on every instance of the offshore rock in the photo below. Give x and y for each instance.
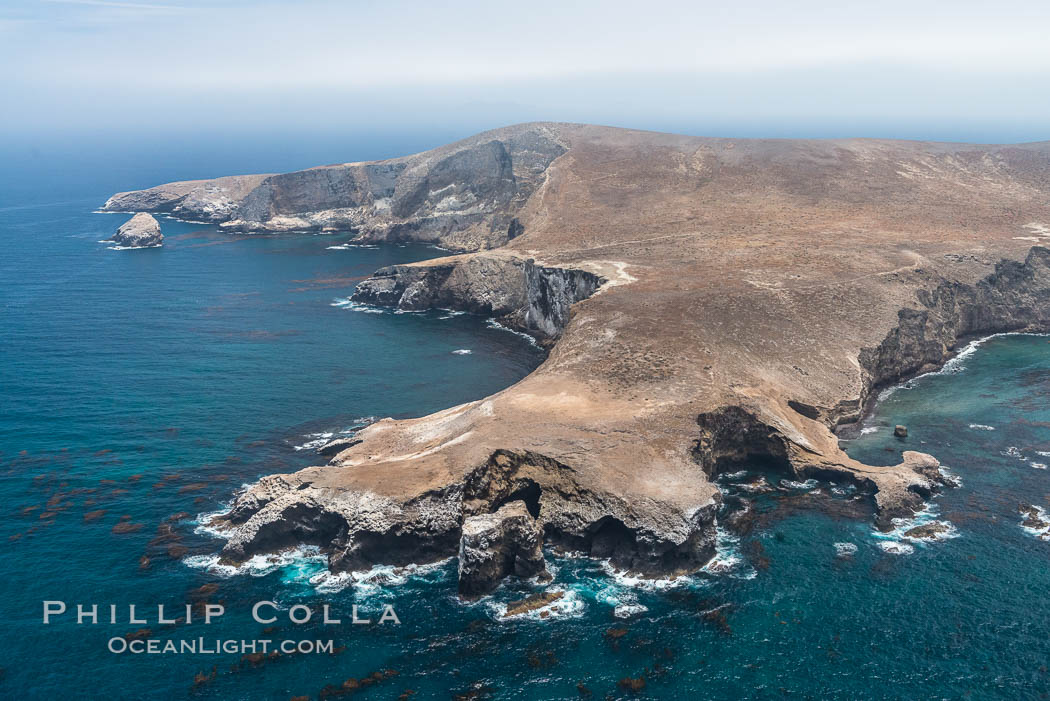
(141, 231)
(493, 546)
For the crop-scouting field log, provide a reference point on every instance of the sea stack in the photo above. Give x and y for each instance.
(141, 231)
(495, 545)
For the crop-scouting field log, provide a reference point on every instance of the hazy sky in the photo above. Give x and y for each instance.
(949, 69)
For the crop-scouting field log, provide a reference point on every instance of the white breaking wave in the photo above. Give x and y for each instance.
(204, 521)
(982, 427)
(306, 564)
(1038, 465)
(259, 565)
(1014, 452)
(790, 484)
(570, 605)
(1040, 533)
(348, 246)
(462, 351)
(845, 549)
(728, 560)
(896, 547)
(628, 610)
(347, 303)
(950, 477)
(493, 324)
(898, 542)
(955, 364)
(322, 438)
(868, 429)
(373, 581)
(757, 485)
(129, 248)
(316, 441)
(624, 601)
(733, 475)
(624, 579)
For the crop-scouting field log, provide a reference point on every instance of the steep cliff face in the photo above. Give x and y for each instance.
(360, 527)
(1016, 297)
(194, 200)
(463, 196)
(633, 532)
(526, 296)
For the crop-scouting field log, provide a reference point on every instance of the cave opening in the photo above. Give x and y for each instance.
(610, 537)
(528, 492)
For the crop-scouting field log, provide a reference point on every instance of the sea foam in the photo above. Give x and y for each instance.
(347, 303)
(493, 324)
(956, 364)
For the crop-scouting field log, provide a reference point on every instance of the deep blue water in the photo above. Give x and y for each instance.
(145, 384)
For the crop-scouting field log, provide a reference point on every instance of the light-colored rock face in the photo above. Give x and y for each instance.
(194, 200)
(753, 294)
(141, 231)
(463, 196)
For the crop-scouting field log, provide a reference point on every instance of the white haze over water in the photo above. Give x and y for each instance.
(938, 69)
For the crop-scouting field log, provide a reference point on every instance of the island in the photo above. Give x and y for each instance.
(705, 302)
(141, 231)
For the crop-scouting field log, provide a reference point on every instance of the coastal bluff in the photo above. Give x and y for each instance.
(705, 301)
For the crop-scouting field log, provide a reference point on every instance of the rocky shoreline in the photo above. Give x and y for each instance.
(707, 302)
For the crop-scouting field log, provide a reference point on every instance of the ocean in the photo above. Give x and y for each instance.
(140, 389)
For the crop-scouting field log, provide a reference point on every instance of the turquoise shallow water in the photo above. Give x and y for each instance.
(145, 384)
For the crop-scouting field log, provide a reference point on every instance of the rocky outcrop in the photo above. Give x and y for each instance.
(733, 436)
(336, 446)
(141, 231)
(463, 196)
(548, 503)
(494, 546)
(193, 200)
(357, 529)
(519, 292)
(714, 302)
(637, 533)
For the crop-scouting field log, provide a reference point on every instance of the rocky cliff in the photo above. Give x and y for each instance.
(713, 301)
(522, 294)
(464, 196)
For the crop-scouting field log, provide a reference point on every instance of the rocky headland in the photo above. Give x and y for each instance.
(141, 231)
(706, 302)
